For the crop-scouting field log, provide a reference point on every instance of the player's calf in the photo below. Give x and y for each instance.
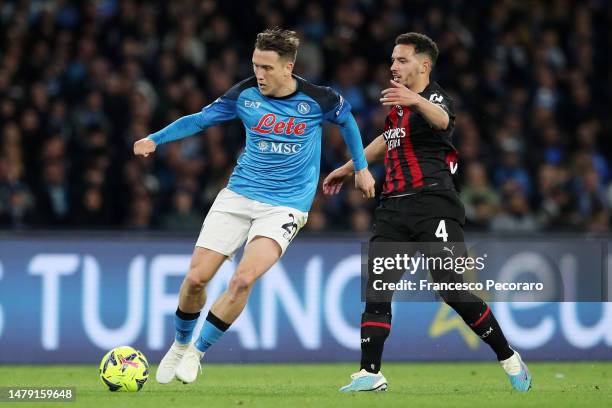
(478, 315)
(375, 328)
(480, 318)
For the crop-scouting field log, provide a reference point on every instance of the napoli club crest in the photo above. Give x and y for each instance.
(303, 108)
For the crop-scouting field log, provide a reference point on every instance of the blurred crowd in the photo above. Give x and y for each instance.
(80, 81)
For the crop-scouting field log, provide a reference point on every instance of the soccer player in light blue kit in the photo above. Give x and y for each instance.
(269, 193)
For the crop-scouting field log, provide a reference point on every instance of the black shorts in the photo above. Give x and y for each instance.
(428, 217)
(433, 216)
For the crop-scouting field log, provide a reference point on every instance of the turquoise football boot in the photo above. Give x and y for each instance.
(365, 381)
(521, 381)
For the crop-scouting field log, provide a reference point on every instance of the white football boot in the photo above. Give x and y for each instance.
(189, 366)
(166, 370)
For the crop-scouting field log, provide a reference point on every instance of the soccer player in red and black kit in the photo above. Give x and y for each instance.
(419, 202)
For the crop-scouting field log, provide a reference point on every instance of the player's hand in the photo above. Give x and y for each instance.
(333, 182)
(398, 94)
(365, 182)
(144, 147)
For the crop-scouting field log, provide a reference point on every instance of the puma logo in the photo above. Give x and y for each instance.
(450, 250)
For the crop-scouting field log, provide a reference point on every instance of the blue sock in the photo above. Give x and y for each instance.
(184, 323)
(212, 331)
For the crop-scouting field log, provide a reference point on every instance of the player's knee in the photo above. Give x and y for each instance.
(197, 279)
(241, 282)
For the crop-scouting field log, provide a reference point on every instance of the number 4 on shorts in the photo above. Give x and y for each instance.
(441, 231)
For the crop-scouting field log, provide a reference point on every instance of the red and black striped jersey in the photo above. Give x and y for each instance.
(419, 157)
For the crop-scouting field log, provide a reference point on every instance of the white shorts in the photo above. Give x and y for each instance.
(234, 219)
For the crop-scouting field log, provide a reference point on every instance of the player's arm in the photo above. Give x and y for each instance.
(433, 113)
(221, 110)
(179, 129)
(338, 110)
(374, 152)
(352, 137)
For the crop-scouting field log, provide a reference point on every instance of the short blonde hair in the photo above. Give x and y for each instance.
(283, 42)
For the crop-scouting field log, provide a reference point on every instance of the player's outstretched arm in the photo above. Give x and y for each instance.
(221, 110)
(179, 129)
(374, 152)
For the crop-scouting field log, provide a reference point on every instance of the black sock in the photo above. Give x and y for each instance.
(487, 328)
(479, 317)
(186, 316)
(218, 323)
(375, 328)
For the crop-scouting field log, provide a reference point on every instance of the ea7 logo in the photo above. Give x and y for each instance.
(435, 98)
(252, 104)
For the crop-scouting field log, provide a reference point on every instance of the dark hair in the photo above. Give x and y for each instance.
(422, 44)
(284, 42)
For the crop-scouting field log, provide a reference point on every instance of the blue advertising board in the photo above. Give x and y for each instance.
(69, 300)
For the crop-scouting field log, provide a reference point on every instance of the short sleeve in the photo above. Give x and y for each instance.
(446, 103)
(335, 108)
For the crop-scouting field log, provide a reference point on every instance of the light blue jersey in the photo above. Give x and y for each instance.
(281, 160)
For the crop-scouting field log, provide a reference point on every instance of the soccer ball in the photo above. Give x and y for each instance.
(124, 369)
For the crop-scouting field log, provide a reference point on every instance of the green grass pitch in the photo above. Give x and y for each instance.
(471, 385)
